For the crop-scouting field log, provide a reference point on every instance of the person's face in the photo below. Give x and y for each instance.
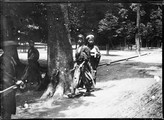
(90, 42)
(31, 44)
(80, 41)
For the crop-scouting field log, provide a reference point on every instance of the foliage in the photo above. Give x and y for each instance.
(76, 15)
(29, 20)
(150, 26)
(109, 23)
(153, 26)
(156, 20)
(102, 19)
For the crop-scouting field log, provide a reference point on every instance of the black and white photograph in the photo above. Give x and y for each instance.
(81, 59)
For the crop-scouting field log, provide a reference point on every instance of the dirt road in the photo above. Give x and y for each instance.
(131, 89)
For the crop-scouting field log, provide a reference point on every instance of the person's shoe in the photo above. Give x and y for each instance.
(87, 93)
(92, 90)
(70, 95)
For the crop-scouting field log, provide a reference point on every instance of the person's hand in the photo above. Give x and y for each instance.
(75, 65)
(21, 84)
(98, 55)
(82, 64)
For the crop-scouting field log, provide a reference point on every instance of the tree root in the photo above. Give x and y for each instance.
(49, 92)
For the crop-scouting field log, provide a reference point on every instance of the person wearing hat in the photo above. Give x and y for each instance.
(95, 54)
(83, 54)
(33, 57)
(9, 62)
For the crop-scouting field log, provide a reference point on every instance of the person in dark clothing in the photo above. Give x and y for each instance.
(34, 71)
(83, 54)
(95, 54)
(8, 64)
(33, 53)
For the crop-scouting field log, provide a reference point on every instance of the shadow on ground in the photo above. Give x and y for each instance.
(125, 70)
(46, 110)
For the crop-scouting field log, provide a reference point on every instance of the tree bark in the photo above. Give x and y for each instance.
(60, 59)
(125, 43)
(107, 48)
(137, 36)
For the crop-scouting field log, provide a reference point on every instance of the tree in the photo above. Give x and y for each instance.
(151, 24)
(126, 25)
(60, 59)
(136, 7)
(156, 20)
(108, 26)
(19, 22)
(75, 15)
(30, 21)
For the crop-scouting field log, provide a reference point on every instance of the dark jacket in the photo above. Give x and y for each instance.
(34, 71)
(82, 53)
(33, 54)
(8, 65)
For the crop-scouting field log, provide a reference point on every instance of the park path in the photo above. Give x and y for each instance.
(128, 89)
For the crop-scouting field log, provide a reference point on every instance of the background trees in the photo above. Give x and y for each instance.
(108, 26)
(30, 21)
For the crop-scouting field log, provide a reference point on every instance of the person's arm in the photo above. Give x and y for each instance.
(30, 53)
(7, 67)
(87, 53)
(33, 54)
(98, 54)
(76, 55)
(9, 74)
(36, 54)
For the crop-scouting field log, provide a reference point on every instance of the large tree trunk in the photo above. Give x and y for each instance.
(137, 36)
(60, 59)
